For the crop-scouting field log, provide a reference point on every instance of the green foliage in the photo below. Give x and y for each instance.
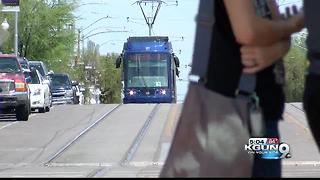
(44, 32)
(296, 64)
(110, 80)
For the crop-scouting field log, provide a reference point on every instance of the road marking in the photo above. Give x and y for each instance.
(165, 147)
(31, 115)
(10, 124)
(171, 122)
(13, 164)
(291, 118)
(131, 164)
(49, 175)
(145, 164)
(20, 149)
(296, 163)
(80, 164)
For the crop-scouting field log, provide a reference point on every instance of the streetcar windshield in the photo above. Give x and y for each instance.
(147, 70)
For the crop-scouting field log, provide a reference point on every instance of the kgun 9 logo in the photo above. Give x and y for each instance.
(268, 148)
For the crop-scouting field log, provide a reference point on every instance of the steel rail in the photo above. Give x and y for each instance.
(64, 148)
(138, 139)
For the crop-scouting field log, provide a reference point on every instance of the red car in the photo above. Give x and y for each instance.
(14, 90)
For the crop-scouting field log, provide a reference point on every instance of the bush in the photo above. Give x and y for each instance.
(295, 65)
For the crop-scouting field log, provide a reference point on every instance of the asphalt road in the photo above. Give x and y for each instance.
(120, 141)
(130, 141)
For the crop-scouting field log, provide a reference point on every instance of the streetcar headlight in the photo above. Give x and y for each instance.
(163, 92)
(132, 92)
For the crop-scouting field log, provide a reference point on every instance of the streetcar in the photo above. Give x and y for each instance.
(149, 70)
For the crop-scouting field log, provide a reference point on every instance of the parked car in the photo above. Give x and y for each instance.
(40, 93)
(41, 67)
(24, 63)
(14, 90)
(61, 87)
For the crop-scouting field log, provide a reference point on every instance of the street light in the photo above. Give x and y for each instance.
(81, 30)
(4, 34)
(16, 10)
(105, 17)
(5, 25)
(112, 40)
(102, 27)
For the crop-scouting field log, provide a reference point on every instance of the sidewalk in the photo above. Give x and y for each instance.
(294, 130)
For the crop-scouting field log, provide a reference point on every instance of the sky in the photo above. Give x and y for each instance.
(174, 21)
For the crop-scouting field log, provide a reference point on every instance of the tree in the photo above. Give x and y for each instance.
(296, 64)
(110, 79)
(45, 32)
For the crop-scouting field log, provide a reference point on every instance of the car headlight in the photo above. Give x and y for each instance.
(69, 93)
(37, 92)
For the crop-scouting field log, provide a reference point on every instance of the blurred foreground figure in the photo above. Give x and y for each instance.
(247, 40)
(311, 100)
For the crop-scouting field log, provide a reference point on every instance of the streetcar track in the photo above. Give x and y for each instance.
(300, 109)
(301, 119)
(134, 146)
(69, 144)
(138, 139)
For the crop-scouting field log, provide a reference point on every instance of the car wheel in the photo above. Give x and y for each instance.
(22, 112)
(77, 100)
(48, 108)
(42, 110)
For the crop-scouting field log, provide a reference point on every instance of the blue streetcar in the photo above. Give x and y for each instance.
(149, 70)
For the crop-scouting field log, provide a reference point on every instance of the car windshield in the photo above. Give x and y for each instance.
(24, 66)
(60, 80)
(38, 67)
(34, 78)
(24, 63)
(9, 65)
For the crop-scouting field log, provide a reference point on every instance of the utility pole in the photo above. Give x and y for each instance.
(78, 50)
(16, 34)
(79, 32)
(151, 19)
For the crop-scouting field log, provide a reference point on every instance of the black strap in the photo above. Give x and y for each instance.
(247, 84)
(314, 67)
(201, 54)
(314, 56)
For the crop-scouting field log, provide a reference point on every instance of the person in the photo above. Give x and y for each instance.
(311, 98)
(247, 39)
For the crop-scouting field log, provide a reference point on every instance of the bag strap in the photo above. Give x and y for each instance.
(201, 54)
(247, 84)
(314, 67)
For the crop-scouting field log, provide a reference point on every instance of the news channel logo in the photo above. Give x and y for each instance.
(268, 148)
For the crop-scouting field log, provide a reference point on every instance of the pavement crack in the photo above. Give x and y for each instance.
(45, 146)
